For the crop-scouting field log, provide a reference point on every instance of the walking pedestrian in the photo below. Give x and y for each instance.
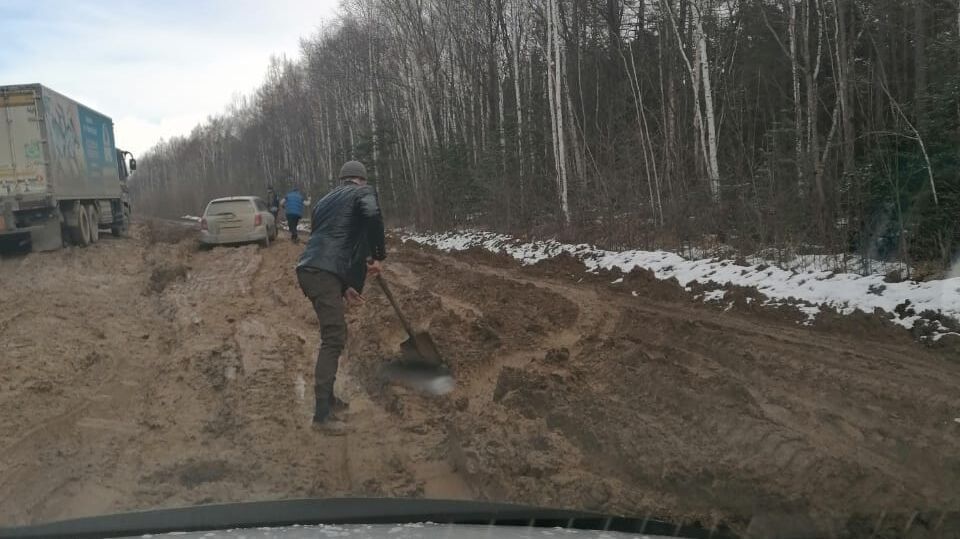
(273, 202)
(293, 207)
(346, 245)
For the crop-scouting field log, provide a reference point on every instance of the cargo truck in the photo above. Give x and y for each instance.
(62, 179)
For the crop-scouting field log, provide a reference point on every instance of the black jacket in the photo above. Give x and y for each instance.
(346, 228)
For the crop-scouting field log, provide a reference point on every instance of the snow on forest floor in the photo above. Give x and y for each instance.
(905, 303)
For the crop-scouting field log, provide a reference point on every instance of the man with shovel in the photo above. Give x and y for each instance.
(346, 245)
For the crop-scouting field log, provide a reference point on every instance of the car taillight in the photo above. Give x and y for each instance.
(203, 223)
(257, 220)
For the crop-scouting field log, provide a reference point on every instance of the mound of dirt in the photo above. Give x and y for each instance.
(876, 325)
(644, 283)
(563, 265)
(509, 309)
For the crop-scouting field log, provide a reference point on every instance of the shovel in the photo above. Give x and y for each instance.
(420, 365)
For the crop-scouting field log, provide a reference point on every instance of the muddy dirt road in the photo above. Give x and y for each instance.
(144, 373)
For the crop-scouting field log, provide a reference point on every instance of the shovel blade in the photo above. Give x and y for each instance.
(421, 347)
(420, 366)
(419, 375)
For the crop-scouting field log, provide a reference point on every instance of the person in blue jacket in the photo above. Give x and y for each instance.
(293, 207)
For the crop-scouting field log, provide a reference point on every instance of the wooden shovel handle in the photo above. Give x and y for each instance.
(396, 306)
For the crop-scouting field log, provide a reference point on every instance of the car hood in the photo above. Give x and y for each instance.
(425, 530)
(360, 517)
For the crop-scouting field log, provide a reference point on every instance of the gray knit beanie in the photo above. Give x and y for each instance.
(353, 169)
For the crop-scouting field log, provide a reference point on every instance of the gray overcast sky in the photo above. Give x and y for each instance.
(157, 68)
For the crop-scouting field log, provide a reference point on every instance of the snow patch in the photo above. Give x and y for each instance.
(301, 226)
(190, 218)
(714, 295)
(844, 292)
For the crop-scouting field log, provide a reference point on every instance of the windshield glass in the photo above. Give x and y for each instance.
(692, 261)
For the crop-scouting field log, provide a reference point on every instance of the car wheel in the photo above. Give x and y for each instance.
(265, 242)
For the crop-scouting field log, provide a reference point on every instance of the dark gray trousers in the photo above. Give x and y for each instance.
(324, 290)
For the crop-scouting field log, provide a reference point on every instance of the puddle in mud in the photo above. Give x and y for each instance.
(299, 387)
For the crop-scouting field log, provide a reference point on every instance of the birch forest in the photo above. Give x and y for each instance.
(799, 126)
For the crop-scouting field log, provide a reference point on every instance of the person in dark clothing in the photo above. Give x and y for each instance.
(293, 207)
(346, 245)
(273, 202)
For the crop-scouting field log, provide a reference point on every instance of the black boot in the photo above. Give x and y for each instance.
(326, 406)
(322, 408)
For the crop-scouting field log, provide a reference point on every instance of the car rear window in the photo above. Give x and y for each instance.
(261, 206)
(230, 206)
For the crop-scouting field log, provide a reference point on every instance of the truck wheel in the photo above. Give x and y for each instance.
(121, 229)
(84, 217)
(71, 223)
(94, 217)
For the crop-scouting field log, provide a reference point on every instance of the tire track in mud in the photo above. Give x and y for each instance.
(89, 379)
(272, 331)
(828, 448)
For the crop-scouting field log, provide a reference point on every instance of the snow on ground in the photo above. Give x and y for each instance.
(807, 290)
(301, 226)
(190, 218)
(839, 262)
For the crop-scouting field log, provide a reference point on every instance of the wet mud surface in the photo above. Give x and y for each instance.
(144, 373)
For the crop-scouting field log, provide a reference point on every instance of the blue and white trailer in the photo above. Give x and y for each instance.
(62, 179)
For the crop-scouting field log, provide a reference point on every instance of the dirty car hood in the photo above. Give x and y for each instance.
(406, 531)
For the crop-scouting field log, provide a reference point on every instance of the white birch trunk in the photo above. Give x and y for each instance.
(373, 107)
(553, 120)
(558, 112)
(797, 108)
(549, 88)
(577, 152)
(713, 168)
(483, 119)
(503, 140)
(812, 145)
(695, 73)
(516, 92)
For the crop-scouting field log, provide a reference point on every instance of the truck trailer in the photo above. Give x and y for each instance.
(62, 179)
